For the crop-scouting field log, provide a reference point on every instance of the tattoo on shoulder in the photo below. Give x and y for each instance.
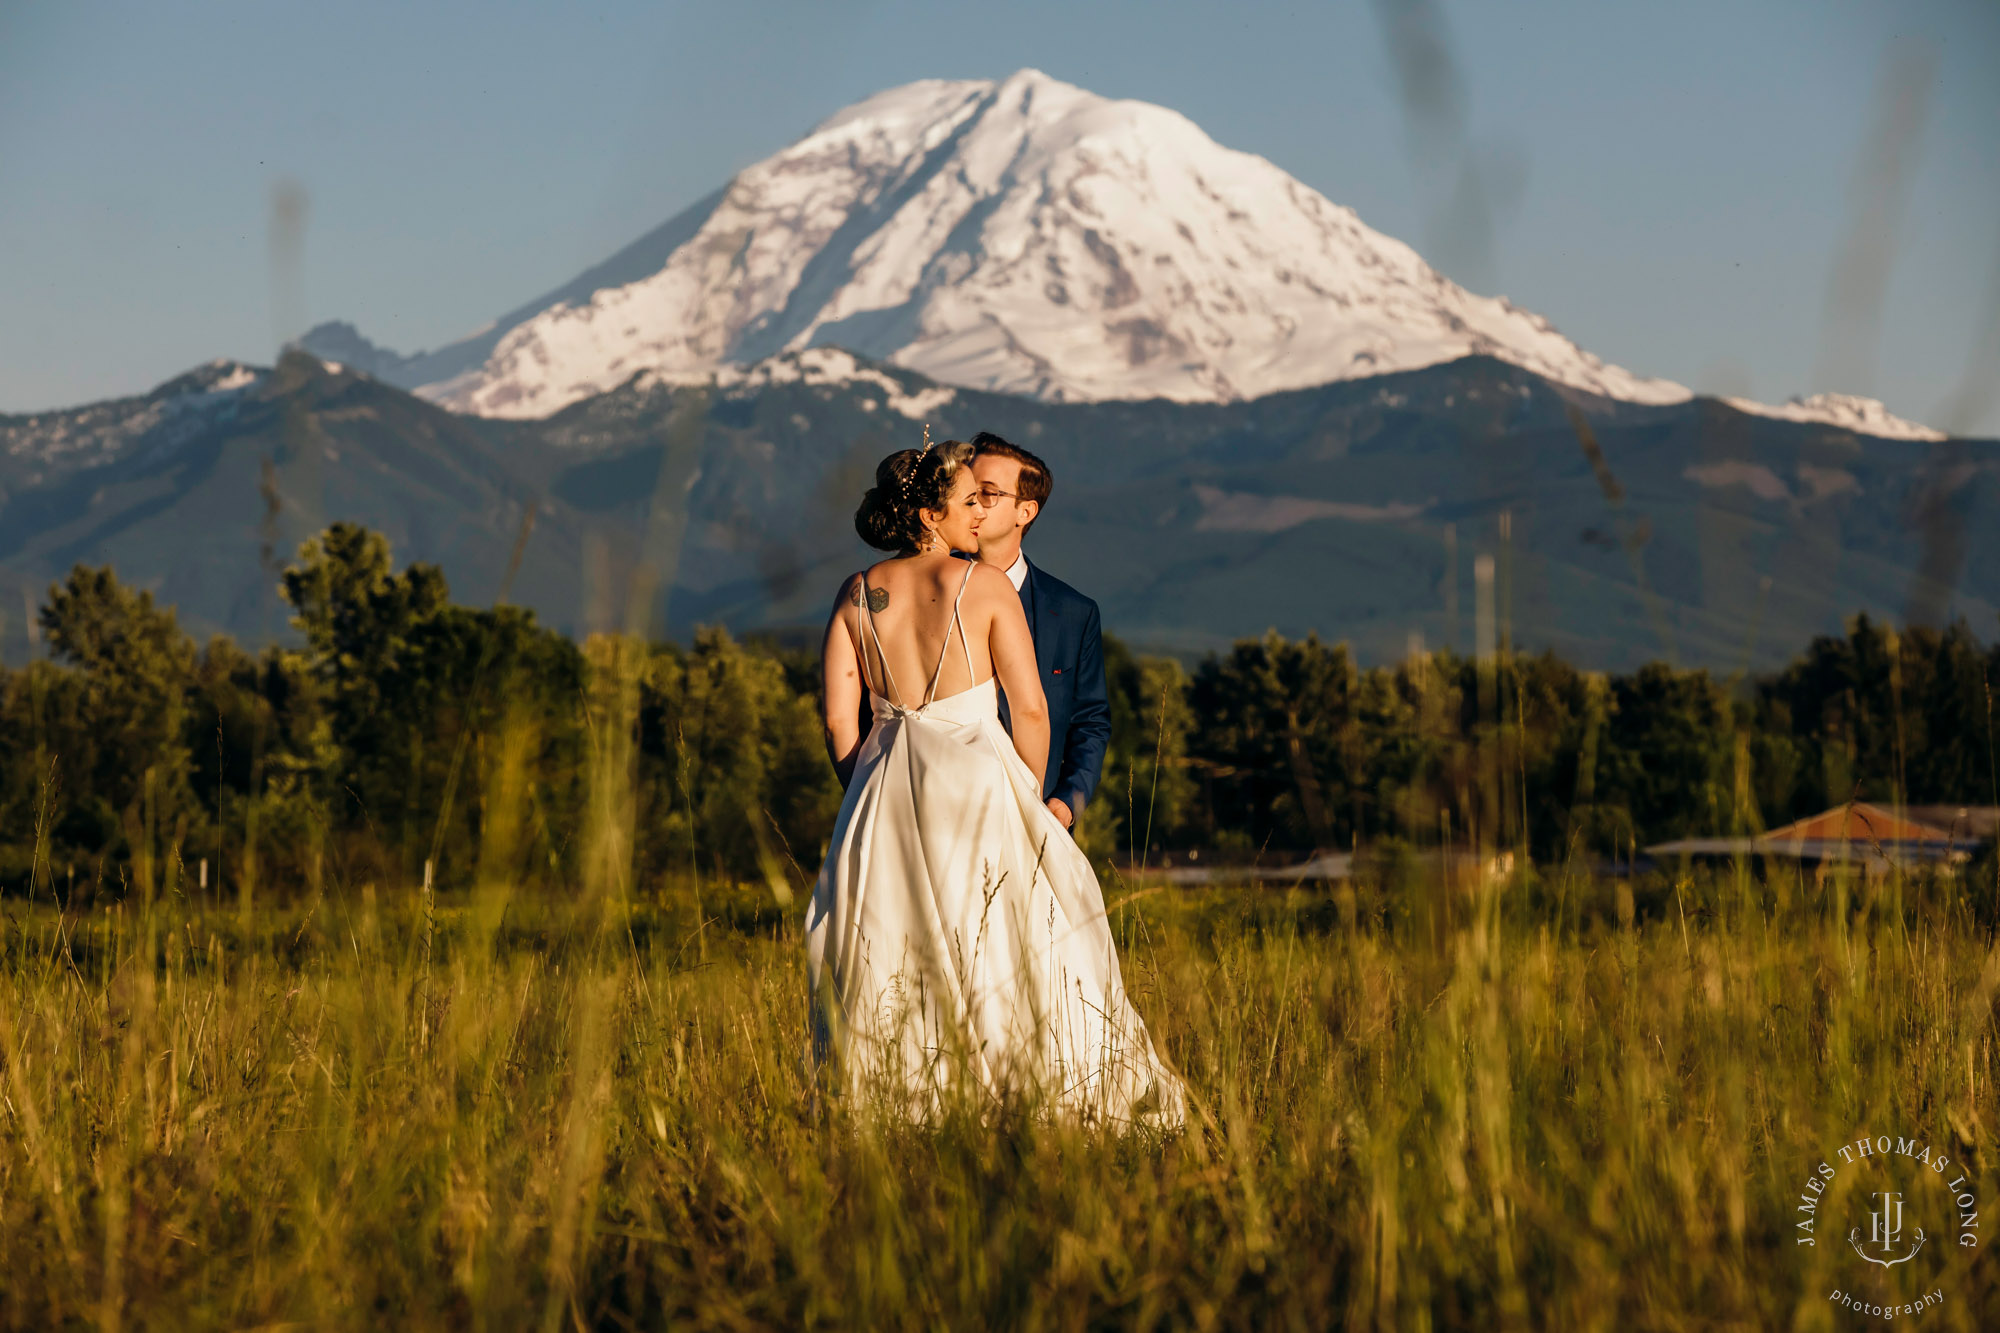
(854, 592)
(878, 600)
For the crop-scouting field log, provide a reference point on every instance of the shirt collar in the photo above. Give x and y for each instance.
(1017, 573)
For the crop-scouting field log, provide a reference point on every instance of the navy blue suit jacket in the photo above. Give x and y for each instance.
(1069, 649)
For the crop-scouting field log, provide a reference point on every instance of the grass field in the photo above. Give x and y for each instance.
(1538, 1104)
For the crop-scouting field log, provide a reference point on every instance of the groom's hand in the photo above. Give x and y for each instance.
(1062, 812)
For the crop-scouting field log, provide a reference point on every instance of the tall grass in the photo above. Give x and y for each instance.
(1423, 1105)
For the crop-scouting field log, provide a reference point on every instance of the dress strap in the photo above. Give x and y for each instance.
(971, 672)
(945, 647)
(868, 616)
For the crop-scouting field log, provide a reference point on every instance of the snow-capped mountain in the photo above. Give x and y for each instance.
(1024, 237)
(1865, 416)
(99, 433)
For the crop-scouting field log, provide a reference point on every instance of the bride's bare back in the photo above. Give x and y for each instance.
(911, 606)
(911, 599)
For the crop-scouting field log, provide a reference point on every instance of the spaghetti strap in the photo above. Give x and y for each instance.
(945, 647)
(888, 676)
(971, 672)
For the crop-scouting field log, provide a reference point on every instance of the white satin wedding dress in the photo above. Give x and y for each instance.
(956, 933)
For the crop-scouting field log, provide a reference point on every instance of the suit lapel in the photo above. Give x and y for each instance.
(1028, 600)
(1029, 604)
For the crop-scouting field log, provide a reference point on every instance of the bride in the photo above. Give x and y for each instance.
(956, 936)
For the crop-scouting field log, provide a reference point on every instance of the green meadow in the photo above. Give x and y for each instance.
(1420, 1103)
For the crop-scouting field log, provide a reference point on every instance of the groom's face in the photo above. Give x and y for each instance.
(1000, 478)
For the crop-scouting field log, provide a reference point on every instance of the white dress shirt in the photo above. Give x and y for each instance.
(1017, 573)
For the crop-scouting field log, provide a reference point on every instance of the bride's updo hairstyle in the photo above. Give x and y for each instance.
(907, 481)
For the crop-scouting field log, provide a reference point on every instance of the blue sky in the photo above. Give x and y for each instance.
(1681, 176)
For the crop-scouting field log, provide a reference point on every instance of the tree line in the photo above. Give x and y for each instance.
(403, 729)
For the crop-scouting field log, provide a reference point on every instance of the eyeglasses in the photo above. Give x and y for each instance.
(988, 496)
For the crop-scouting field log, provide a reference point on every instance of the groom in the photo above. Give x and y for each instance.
(1069, 644)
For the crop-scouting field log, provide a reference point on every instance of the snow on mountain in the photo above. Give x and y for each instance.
(826, 366)
(1865, 416)
(100, 432)
(1032, 238)
(1024, 237)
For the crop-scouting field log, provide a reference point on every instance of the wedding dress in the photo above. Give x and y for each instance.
(956, 933)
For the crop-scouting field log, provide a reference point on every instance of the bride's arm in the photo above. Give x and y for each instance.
(840, 678)
(1013, 649)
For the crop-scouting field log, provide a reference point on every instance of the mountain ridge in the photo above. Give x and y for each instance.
(1692, 531)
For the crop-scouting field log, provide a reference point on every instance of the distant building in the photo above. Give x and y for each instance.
(1872, 837)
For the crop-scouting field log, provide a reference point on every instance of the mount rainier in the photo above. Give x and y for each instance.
(1265, 416)
(1023, 237)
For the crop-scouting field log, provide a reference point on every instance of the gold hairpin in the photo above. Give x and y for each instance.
(927, 437)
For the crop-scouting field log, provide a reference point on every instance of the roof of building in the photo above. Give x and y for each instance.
(1858, 821)
(1857, 830)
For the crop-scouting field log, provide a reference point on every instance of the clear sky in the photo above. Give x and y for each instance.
(1670, 183)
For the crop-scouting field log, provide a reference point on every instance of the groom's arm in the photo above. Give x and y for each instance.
(1089, 723)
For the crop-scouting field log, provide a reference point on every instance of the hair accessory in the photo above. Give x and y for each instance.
(927, 437)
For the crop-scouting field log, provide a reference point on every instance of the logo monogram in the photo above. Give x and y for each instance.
(1904, 1170)
(1885, 1231)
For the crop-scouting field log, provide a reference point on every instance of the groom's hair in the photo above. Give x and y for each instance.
(1035, 484)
